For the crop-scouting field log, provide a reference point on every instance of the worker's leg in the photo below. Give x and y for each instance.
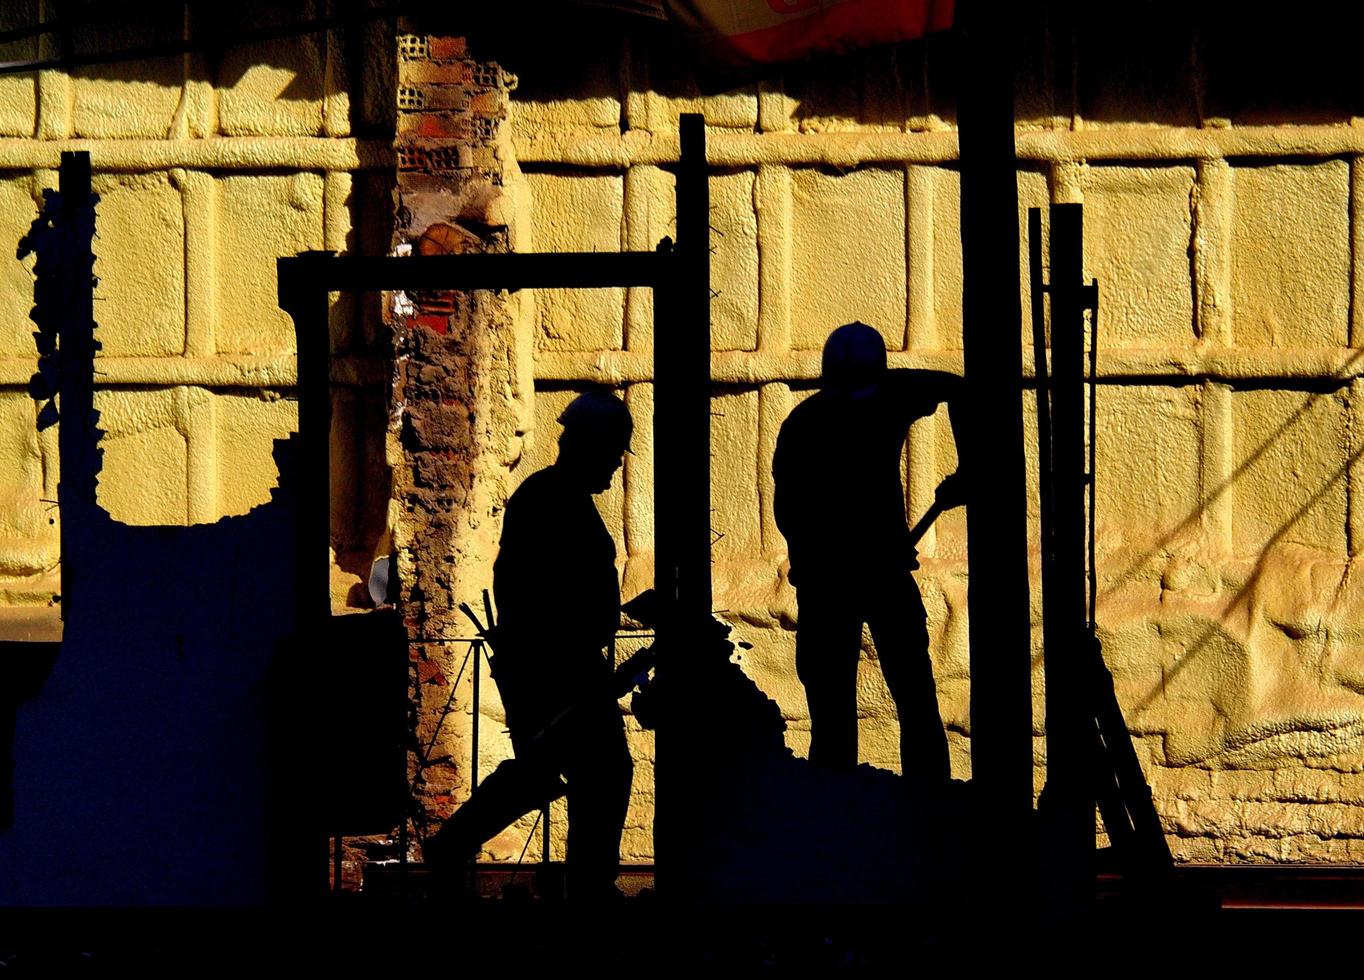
(828, 643)
(899, 630)
(596, 762)
(516, 787)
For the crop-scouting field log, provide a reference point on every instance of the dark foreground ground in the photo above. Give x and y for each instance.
(1267, 912)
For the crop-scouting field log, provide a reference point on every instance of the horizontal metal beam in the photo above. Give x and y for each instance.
(523, 270)
(1296, 367)
(1103, 144)
(1292, 368)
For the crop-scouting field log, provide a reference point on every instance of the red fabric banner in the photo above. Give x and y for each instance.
(748, 34)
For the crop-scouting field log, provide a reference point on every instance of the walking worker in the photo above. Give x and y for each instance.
(840, 503)
(558, 606)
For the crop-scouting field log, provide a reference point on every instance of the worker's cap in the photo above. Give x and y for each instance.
(599, 415)
(854, 356)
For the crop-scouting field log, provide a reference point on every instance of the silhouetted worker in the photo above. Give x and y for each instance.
(558, 603)
(840, 502)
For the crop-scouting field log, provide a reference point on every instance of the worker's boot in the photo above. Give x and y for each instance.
(512, 790)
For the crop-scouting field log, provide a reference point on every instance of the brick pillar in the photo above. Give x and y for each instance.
(461, 384)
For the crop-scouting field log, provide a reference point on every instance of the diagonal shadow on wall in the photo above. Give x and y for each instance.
(1243, 601)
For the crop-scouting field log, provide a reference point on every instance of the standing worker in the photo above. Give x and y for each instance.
(558, 605)
(840, 502)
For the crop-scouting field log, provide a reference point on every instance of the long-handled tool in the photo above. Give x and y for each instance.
(524, 783)
(943, 501)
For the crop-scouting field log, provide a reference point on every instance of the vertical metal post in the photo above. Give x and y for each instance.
(992, 453)
(1067, 805)
(77, 437)
(1046, 505)
(682, 395)
(666, 328)
(692, 424)
(478, 707)
(1037, 290)
(682, 488)
(1092, 475)
(304, 297)
(1089, 751)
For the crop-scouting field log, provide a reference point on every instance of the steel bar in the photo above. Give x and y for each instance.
(77, 437)
(1093, 448)
(477, 708)
(1046, 505)
(991, 441)
(1067, 804)
(515, 270)
(682, 575)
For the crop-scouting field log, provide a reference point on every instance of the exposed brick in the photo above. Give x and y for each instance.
(422, 73)
(490, 105)
(450, 97)
(413, 47)
(448, 48)
(433, 125)
(485, 75)
(434, 157)
(429, 672)
(417, 182)
(441, 125)
(447, 352)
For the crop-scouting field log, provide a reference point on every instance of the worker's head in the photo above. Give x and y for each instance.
(854, 357)
(596, 437)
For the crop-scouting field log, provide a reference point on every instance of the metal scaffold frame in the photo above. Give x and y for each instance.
(679, 274)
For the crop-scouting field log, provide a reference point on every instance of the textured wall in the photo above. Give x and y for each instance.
(206, 173)
(1224, 230)
(1228, 410)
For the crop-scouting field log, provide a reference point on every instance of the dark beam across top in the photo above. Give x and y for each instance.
(521, 270)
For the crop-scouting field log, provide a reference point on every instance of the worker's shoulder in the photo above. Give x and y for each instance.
(544, 480)
(903, 383)
(542, 490)
(820, 404)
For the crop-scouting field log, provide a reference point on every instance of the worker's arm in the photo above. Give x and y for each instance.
(924, 388)
(919, 393)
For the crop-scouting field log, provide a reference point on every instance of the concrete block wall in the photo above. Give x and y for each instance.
(1226, 244)
(206, 173)
(1226, 236)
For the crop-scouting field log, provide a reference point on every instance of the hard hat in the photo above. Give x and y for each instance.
(854, 356)
(599, 414)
